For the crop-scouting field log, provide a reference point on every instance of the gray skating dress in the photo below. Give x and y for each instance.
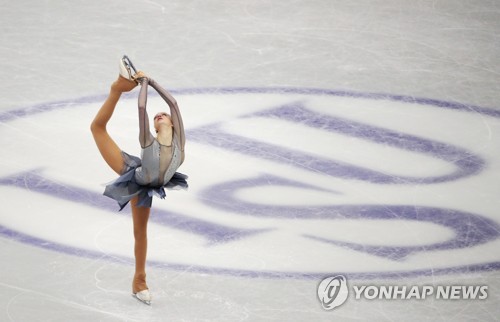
(156, 169)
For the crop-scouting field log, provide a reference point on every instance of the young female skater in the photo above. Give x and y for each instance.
(141, 178)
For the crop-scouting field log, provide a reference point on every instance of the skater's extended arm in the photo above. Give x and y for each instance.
(145, 136)
(175, 114)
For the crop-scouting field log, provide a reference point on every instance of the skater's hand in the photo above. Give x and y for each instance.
(139, 76)
(123, 85)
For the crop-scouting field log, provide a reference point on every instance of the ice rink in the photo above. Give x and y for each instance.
(324, 138)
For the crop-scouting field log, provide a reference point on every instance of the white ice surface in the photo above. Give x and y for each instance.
(63, 56)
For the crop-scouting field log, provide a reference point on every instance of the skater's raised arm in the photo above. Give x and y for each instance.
(175, 114)
(145, 136)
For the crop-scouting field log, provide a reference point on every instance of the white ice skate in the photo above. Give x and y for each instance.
(143, 296)
(127, 69)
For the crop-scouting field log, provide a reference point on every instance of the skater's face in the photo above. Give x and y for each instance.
(162, 118)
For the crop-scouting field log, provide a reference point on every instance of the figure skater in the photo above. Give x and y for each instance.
(140, 178)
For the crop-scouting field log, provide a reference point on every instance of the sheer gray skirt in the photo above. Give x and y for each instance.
(125, 187)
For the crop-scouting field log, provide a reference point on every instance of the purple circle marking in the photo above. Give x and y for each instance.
(220, 233)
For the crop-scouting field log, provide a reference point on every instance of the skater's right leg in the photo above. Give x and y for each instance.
(108, 148)
(110, 151)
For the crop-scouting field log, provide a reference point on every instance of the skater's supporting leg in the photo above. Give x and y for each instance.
(140, 216)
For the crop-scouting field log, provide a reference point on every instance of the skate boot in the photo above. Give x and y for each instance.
(127, 69)
(144, 296)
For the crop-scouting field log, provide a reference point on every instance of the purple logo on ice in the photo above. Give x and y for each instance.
(257, 186)
(333, 292)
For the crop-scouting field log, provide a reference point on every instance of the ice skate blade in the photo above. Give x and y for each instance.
(126, 68)
(143, 296)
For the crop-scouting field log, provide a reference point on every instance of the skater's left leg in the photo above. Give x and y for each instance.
(140, 216)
